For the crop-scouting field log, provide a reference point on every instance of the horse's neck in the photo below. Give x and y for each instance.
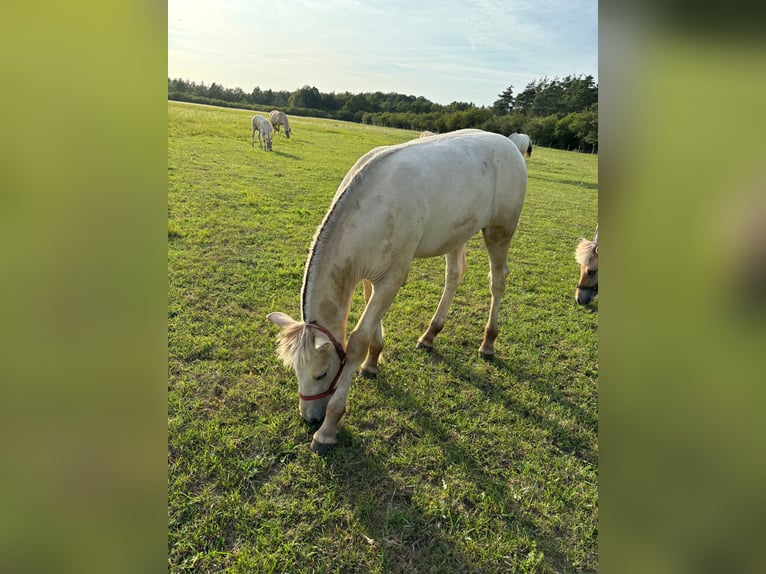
(327, 292)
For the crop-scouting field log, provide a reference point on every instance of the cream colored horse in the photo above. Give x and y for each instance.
(263, 127)
(279, 118)
(524, 143)
(586, 255)
(423, 198)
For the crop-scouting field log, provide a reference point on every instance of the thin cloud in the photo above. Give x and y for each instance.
(451, 50)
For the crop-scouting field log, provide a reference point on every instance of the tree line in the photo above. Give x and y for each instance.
(558, 112)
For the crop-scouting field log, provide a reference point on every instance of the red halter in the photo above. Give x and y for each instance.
(341, 355)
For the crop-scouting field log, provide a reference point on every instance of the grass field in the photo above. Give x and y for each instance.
(445, 462)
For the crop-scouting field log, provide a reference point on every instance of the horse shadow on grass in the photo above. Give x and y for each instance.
(411, 537)
(576, 440)
(286, 155)
(407, 536)
(572, 182)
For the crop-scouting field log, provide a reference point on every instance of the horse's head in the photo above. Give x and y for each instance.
(317, 359)
(586, 255)
(287, 131)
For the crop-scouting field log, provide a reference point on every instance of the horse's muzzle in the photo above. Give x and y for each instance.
(313, 420)
(584, 295)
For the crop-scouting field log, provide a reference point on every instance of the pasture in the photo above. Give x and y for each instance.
(445, 462)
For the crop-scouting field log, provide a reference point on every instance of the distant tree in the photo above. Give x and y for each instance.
(504, 104)
(215, 91)
(585, 126)
(256, 96)
(306, 97)
(199, 89)
(542, 130)
(524, 101)
(331, 102)
(564, 135)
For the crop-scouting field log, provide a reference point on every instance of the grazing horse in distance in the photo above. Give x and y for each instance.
(423, 198)
(263, 127)
(523, 142)
(586, 255)
(426, 133)
(280, 119)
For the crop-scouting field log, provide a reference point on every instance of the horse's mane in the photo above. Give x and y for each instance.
(585, 250)
(296, 345)
(352, 180)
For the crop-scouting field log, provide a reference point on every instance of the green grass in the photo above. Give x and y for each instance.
(444, 463)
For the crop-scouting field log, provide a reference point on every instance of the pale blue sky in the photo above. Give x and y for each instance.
(467, 51)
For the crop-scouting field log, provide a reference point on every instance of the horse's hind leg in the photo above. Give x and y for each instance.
(370, 366)
(456, 265)
(497, 241)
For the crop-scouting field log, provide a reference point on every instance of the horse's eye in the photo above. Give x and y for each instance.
(320, 377)
(592, 271)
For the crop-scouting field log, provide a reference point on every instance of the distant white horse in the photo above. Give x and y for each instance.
(280, 119)
(263, 127)
(423, 198)
(426, 134)
(523, 141)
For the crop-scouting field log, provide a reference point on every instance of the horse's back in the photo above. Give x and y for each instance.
(442, 189)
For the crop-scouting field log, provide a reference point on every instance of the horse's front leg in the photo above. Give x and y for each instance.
(327, 434)
(358, 345)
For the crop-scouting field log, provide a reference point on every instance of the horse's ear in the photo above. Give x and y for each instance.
(322, 342)
(281, 320)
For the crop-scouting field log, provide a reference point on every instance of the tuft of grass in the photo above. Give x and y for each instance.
(173, 229)
(445, 462)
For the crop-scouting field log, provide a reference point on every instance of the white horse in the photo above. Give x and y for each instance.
(263, 127)
(523, 141)
(423, 198)
(586, 255)
(280, 119)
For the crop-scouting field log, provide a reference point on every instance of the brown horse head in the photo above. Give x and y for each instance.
(586, 255)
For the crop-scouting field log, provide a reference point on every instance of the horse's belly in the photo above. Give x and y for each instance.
(448, 237)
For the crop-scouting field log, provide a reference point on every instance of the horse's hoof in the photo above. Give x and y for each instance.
(487, 356)
(424, 346)
(320, 448)
(368, 374)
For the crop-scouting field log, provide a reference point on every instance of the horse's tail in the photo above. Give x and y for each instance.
(529, 150)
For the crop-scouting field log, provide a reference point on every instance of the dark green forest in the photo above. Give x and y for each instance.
(559, 112)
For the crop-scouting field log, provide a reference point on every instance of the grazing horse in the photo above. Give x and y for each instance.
(586, 255)
(280, 119)
(423, 198)
(263, 127)
(524, 143)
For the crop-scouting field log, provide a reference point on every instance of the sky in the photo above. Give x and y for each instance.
(445, 51)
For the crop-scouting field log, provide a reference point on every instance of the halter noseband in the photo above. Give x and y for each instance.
(341, 355)
(594, 288)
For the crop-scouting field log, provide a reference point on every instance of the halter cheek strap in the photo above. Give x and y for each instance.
(341, 355)
(593, 287)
